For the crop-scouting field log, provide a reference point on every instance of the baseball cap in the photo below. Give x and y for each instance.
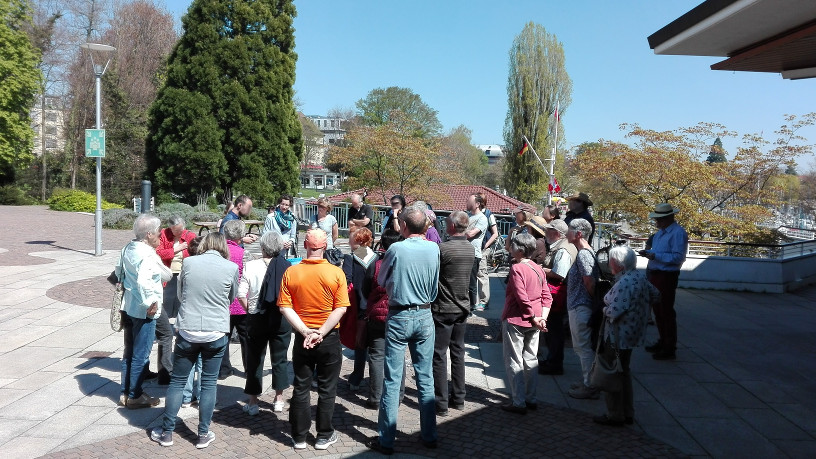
(316, 239)
(557, 225)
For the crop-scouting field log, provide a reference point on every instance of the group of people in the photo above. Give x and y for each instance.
(570, 270)
(416, 293)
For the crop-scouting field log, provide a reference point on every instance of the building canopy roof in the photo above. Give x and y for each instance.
(449, 198)
(777, 36)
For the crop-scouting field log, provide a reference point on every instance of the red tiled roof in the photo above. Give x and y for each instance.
(446, 197)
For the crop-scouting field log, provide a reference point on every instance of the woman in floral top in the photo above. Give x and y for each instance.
(626, 313)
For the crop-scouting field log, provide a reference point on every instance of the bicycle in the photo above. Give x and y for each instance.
(498, 259)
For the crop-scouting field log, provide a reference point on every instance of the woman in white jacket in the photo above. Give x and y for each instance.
(142, 273)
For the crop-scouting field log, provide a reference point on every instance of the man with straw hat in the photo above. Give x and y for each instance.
(668, 252)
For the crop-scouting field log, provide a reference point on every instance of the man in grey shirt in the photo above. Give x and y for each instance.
(477, 226)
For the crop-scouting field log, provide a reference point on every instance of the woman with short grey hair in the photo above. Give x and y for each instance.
(258, 293)
(526, 308)
(626, 315)
(234, 231)
(141, 272)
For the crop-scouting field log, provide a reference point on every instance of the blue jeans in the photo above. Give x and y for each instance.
(139, 335)
(413, 328)
(192, 390)
(186, 354)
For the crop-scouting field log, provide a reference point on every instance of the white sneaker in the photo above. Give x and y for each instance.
(278, 406)
(300, 445)
(324, 443)
(251, 410)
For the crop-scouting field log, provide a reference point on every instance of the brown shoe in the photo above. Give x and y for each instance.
(143, 401)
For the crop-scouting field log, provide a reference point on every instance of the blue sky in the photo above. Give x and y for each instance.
(454, 54)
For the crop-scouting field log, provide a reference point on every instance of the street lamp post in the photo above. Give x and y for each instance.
(102, 52)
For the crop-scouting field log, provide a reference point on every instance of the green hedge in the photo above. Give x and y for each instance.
(76, 201)
(118, 219)
(11, 195)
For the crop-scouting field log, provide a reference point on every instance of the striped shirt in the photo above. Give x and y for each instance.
(456, 257)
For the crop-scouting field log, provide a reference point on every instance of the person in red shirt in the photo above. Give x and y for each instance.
(172, 249)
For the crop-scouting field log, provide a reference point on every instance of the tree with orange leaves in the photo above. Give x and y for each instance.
(721, 200)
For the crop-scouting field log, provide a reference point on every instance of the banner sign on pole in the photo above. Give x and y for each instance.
(94, 143)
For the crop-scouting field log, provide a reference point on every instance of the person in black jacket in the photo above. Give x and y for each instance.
(359, 269)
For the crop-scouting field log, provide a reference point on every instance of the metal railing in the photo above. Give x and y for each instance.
(741, 250)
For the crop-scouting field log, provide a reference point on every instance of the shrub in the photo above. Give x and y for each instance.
(204, 217)
(185, 211)
(118, 218)
(11, 195)
(76, 201)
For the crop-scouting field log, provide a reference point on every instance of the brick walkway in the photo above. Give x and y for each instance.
(481, 430)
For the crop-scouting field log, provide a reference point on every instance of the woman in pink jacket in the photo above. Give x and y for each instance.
(234, 231)
(526, 307)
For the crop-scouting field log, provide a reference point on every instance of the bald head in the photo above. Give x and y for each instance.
(414, 220)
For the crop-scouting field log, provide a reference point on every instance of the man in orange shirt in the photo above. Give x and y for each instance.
(313, 298)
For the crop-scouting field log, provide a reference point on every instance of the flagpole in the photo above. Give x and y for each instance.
(530, 145)
(552, 160)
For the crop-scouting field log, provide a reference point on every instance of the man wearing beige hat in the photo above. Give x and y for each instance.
(579, 205)
(668, 252)
(556, 265)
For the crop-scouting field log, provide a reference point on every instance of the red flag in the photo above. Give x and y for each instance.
(557, 117)
(554, 187)
(523, 149)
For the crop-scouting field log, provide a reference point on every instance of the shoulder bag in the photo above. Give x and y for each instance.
(605, 374)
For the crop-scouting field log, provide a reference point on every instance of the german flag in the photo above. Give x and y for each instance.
(524, 148)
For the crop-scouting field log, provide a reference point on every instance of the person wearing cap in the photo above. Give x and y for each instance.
(557, 264)
(668, 252)
(313, 297)
(537, 226)
(579, 205)
(410, 274)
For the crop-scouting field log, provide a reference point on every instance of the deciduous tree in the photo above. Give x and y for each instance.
(461, 162)
(389, 157)
(537, 82)
(722, 200)
(380, 103)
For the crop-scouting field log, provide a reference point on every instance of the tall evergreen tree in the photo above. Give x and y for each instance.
(20, 79)
(717, 153)
(537, 81)
(224, 119)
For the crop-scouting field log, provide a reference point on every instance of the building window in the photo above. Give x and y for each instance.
(51, 144)
(50, 130)
(332, 123)
(51, 117)
(331, 141)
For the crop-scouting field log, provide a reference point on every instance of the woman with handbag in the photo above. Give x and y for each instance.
(526, 308)
(625, 315)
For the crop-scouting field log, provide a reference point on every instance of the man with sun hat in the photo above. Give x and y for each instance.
(668, 252)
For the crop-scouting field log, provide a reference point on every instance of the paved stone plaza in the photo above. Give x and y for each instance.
(742, 385)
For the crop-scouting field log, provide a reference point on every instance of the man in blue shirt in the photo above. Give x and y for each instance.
(410, 275)
(668, 252)
(242, 209)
